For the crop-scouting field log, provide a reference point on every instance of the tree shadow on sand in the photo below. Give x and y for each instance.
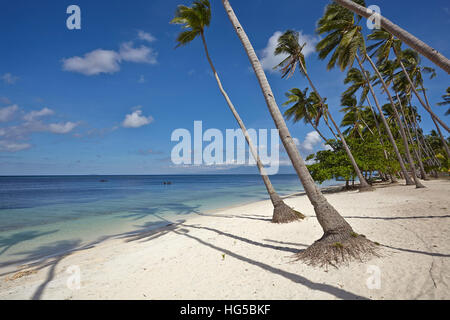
(250, 217)
(337, 292)
(46, 256)
(178, 209)
(433, 254)
(182, 229)
(7, 242)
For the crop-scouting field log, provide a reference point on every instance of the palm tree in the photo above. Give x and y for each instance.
(417, 152)
(288, 44)
(303, 108)
(399, 121)
(346, 40)
(446, 101)
(413, 65)
(338, 243)
(435, 56)
(383, 47)
(358, 82)
(194, 20)
(353, 117)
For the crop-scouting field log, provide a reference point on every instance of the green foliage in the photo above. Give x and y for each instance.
(446, 101)
(344, 36)
(368, 153)
(288, 43)
(193, 19)
(331, 164)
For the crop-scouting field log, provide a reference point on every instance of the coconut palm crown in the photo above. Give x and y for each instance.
(288, 43)
(344, 37)
(194, 19)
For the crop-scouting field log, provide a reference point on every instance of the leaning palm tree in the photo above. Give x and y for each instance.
(288, 43)
(414, 77)
(446, 101)
(416, 148)
(401, 128)
(345, 40)
(383, 47)
(303, 109)
(435, 56)
(194, 20)
(339, 242)
(353, 117)
(358, 82)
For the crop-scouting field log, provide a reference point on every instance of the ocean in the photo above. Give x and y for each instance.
(44, 215)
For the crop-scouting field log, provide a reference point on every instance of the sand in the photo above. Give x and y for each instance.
(236, 253)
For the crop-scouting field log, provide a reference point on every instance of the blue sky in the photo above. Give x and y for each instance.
(105, 99)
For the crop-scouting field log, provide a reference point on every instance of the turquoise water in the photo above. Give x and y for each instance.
(45, 215)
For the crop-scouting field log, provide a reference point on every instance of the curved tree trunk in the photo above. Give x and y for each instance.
(337, 232)
(364, 185)
(417, 154)
(435, 56)
(425, 105)
(325, 118)
(419, 145)
(317, 129)
(399, 121)
(386, 125)
(393, 179)
(282, 213)
(441, 136)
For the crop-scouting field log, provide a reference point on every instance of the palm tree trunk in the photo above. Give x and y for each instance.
(325, 118)
(435, 56)
(399, 121)
(411, 141)
(337, 231)
(413, 87)
(364, 185)
(393, 179)
(330, 220)
(282, 212)
(425, 105)
(317, 129)
(429, 152)
(419, 145)
(441, 136)
(386, 125)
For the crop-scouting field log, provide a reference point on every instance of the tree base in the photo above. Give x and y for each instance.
(282, 213)
(366, 189)
(339, 249)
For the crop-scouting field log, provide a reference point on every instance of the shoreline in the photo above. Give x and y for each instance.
(240, 244)
(111, 231)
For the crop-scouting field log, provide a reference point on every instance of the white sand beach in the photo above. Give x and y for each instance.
(237, 253)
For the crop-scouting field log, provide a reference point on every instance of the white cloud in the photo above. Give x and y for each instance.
(36, 114)
(145, 36)
(8, 113)
(136, 120)
(108, 61)
(14, 138)
(62, 128)
(9, 78)
(142, 54)
(13, 147)
(311, 140)
(93, 63)
(270, 60)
